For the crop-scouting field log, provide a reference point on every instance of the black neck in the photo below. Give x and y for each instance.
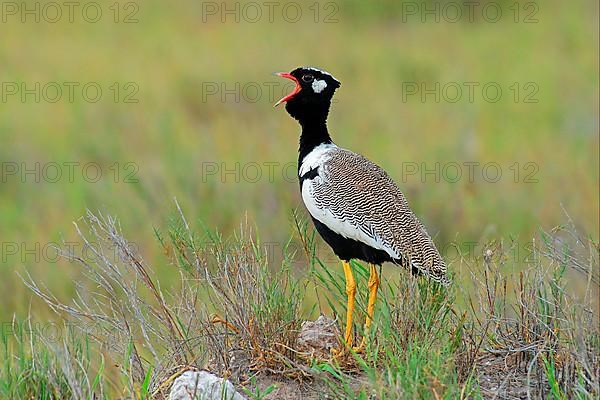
(313, 134)
(312, 116)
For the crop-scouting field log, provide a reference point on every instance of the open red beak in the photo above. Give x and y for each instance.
(293, 93)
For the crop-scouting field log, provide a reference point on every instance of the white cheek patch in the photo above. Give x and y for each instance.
(318, 86)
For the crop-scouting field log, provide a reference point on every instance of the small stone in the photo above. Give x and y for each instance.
(202, 385)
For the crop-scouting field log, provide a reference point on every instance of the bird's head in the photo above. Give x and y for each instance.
(312, 95)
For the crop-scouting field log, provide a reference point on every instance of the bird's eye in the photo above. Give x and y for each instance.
(307, 78)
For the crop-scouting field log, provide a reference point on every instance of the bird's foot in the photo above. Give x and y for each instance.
(341, 353)
(338, 353)
(347, 350)
(359, 349)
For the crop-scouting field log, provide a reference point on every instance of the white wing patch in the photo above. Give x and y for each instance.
(316, 158)
(339, 225)
(318, 86)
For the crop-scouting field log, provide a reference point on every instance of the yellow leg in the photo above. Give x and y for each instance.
(373, 286)
(351, 292)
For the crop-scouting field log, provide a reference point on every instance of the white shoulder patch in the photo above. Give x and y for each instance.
(317, 157)
(318, 86)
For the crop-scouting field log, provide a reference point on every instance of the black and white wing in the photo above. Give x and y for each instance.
(356, 199)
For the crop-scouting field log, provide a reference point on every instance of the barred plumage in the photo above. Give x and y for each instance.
(357, 199)
(355, 206)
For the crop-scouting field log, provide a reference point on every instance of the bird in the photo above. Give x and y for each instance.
(355, 206)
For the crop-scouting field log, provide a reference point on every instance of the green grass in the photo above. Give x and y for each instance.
(42, 367)
(524, 330)
(172, 133)
(160, 148)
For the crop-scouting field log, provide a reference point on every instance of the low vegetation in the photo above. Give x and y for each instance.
(503, 335)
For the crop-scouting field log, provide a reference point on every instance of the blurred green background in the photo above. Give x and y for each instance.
(186, 112)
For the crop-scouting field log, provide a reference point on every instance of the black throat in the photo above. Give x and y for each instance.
(311, 114)
(312, 117)
(314, 133)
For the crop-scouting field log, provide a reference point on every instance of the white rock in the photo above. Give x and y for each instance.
(202, 385)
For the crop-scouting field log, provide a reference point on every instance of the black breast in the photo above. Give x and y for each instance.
(347, 249)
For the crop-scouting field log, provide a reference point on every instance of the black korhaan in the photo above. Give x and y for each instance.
(355, 206)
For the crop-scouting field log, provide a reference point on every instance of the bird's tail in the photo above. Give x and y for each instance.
(436, 273)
